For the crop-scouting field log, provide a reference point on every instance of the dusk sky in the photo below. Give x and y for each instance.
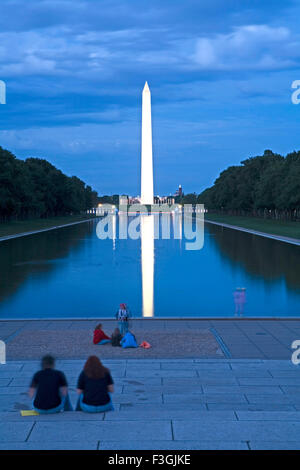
(220, 74)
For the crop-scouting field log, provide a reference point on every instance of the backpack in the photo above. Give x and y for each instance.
(129, 341)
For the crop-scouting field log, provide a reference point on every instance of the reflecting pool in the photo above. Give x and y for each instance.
(70, 272)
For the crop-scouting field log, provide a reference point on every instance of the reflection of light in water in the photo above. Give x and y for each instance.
(147, 246)
(123, 221)
(114, 230)
(177, 226)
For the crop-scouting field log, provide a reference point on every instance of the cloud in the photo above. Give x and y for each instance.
(249, 47)
(75, 71)
(101, 56)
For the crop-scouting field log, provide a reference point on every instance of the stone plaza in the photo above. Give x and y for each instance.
(226, 402)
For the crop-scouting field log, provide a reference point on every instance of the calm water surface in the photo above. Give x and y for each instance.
(69, 272)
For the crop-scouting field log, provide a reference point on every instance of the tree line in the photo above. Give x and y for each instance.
(112, 200)
(266, 186)
(33, 188)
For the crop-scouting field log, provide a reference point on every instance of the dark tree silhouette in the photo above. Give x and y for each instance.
(267, 185)
(34, 189)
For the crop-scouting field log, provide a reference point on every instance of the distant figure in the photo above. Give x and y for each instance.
(94, 387)
(99, 336)
(236, 299)
(49, 388)
(242, 300)
(239, 297)
(123, 317)
(116, 338)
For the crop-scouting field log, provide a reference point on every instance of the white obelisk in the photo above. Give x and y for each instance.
(147, 158)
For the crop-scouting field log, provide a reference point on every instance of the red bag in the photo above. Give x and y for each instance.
(145, 345)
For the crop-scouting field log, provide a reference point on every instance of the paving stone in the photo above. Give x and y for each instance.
(64, 416)
(198, 381)
(4, 382)
(13, 432)
(161, 373)
(297, 406)
(102, 430)
(245, 351)
(62, 325)
(140, 381)
(251, 367)
(251, 373)
(268, 416)
(46, 445)
(145, 366)
(163, 389)
(84, 325)
(196, 324)
(213, 366)
(12, 391)
(275, 398)
(248, 389)
(5, 333)
(285, 373)
(237, 430)
(172, 445)
(291, 389)
(204, 398)
(278, 364)
(137, 397)
(184, 406)
(26, 374)
(269, 381)
(32, 324)
(162, 414)
(81, 362)
(185, 361)
(10, 367)
(251, 407)
(15, 402)
(273, 445)
(250, 392)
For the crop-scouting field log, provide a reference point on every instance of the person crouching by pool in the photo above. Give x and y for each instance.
(49, 389)
(99, 336)
(94, 387)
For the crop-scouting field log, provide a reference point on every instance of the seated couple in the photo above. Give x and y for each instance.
(49, 388)
(101, 338)
(126, 341)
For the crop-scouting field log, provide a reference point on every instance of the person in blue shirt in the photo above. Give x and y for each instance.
(49, 389)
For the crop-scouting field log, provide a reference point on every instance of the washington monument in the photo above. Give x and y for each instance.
(146, 157)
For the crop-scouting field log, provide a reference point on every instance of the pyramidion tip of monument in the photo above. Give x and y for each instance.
(146, 87)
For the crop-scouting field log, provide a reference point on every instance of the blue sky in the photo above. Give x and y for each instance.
(220, 73)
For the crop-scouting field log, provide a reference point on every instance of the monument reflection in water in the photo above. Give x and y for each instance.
(149, 230)
(147, 251)
(147, 234)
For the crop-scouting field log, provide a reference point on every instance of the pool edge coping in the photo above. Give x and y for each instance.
(279, 238)
(154, 319)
